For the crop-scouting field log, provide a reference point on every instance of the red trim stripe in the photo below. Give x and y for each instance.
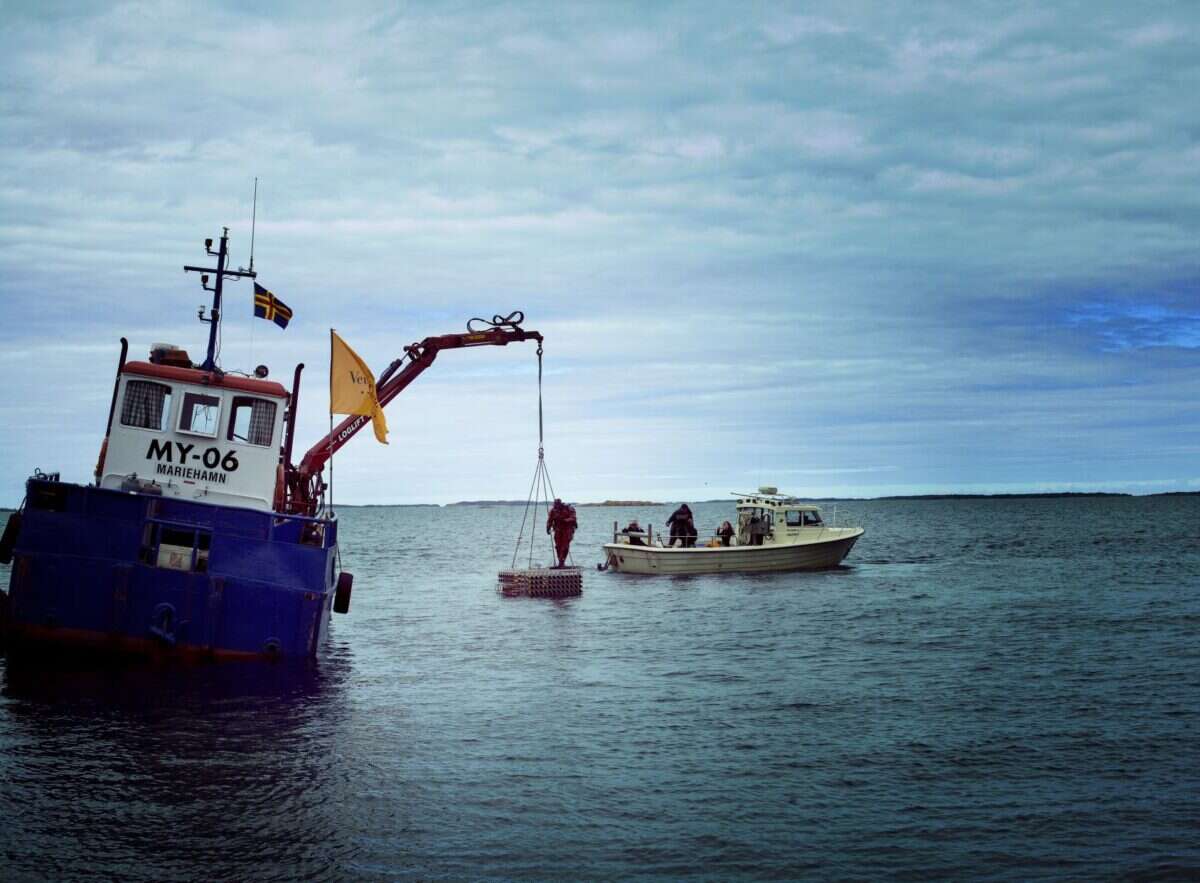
(206, 378)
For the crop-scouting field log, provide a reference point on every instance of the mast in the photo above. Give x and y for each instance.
(214, 316)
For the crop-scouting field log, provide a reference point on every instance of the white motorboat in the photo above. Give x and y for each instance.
(773, 533)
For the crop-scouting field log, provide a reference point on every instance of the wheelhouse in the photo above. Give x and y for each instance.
(779, 516)
(193, 434)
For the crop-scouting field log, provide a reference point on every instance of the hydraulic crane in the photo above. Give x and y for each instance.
(302, 487)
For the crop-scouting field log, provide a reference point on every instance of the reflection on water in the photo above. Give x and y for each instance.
(139, 687)
(171, 772)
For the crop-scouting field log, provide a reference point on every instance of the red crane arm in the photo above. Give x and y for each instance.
(390, 384)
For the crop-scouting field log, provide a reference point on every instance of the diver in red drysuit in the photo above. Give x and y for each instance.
(562, 521)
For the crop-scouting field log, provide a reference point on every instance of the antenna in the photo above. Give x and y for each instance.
(214, 317)
(253, 221)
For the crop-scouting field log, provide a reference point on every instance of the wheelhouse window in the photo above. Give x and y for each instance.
(794, 518)
(763, 515)
(146, 405)
(812, 519)
(251, 421)
(199, 414)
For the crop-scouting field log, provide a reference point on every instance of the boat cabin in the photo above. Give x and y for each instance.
(773, 517)
(200, 435)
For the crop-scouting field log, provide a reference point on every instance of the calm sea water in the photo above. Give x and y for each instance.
(988, 690)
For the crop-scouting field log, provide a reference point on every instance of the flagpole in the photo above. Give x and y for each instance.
(252, 327)
(253, 222)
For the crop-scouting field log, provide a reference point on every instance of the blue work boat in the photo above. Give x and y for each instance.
(198, 537)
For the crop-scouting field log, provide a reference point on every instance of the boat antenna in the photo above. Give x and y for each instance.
(214, 316)
(253, 220)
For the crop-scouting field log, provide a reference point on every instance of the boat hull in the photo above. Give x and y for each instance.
(101, 568)
(819, 554)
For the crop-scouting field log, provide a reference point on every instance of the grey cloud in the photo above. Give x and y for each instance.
(878, 233)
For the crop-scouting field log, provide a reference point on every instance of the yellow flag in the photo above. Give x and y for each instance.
(352, 386)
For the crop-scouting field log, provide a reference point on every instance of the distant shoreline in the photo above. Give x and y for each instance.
(523, 503)
(647, 503)
(1025, 496)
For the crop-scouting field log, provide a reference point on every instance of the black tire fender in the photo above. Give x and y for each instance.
(341, 596)
(9, 539)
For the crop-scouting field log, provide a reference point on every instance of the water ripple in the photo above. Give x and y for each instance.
(998, 689)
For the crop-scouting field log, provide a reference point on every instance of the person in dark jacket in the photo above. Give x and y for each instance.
(725, 533)
(633, 530)
(677, 522)
(562, 521)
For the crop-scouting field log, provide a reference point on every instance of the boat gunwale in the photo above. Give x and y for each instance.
(854, 533)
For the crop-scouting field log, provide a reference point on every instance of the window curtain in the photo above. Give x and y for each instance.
(143, 405)
(262, 422)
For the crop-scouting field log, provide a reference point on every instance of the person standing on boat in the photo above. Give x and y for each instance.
(562, 521)
(725, 533)
(677, 522)
(758, 530)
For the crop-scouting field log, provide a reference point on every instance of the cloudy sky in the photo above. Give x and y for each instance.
(845, 248)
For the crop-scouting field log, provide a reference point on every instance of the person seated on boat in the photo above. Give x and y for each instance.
(725, 533)
(633, 530)
(758, 530)
(562, 521)
(676, 522)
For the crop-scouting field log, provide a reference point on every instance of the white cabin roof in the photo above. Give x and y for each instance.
(772, 501)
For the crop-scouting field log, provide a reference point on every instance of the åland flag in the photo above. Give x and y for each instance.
(352, 386)
(268, 306)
